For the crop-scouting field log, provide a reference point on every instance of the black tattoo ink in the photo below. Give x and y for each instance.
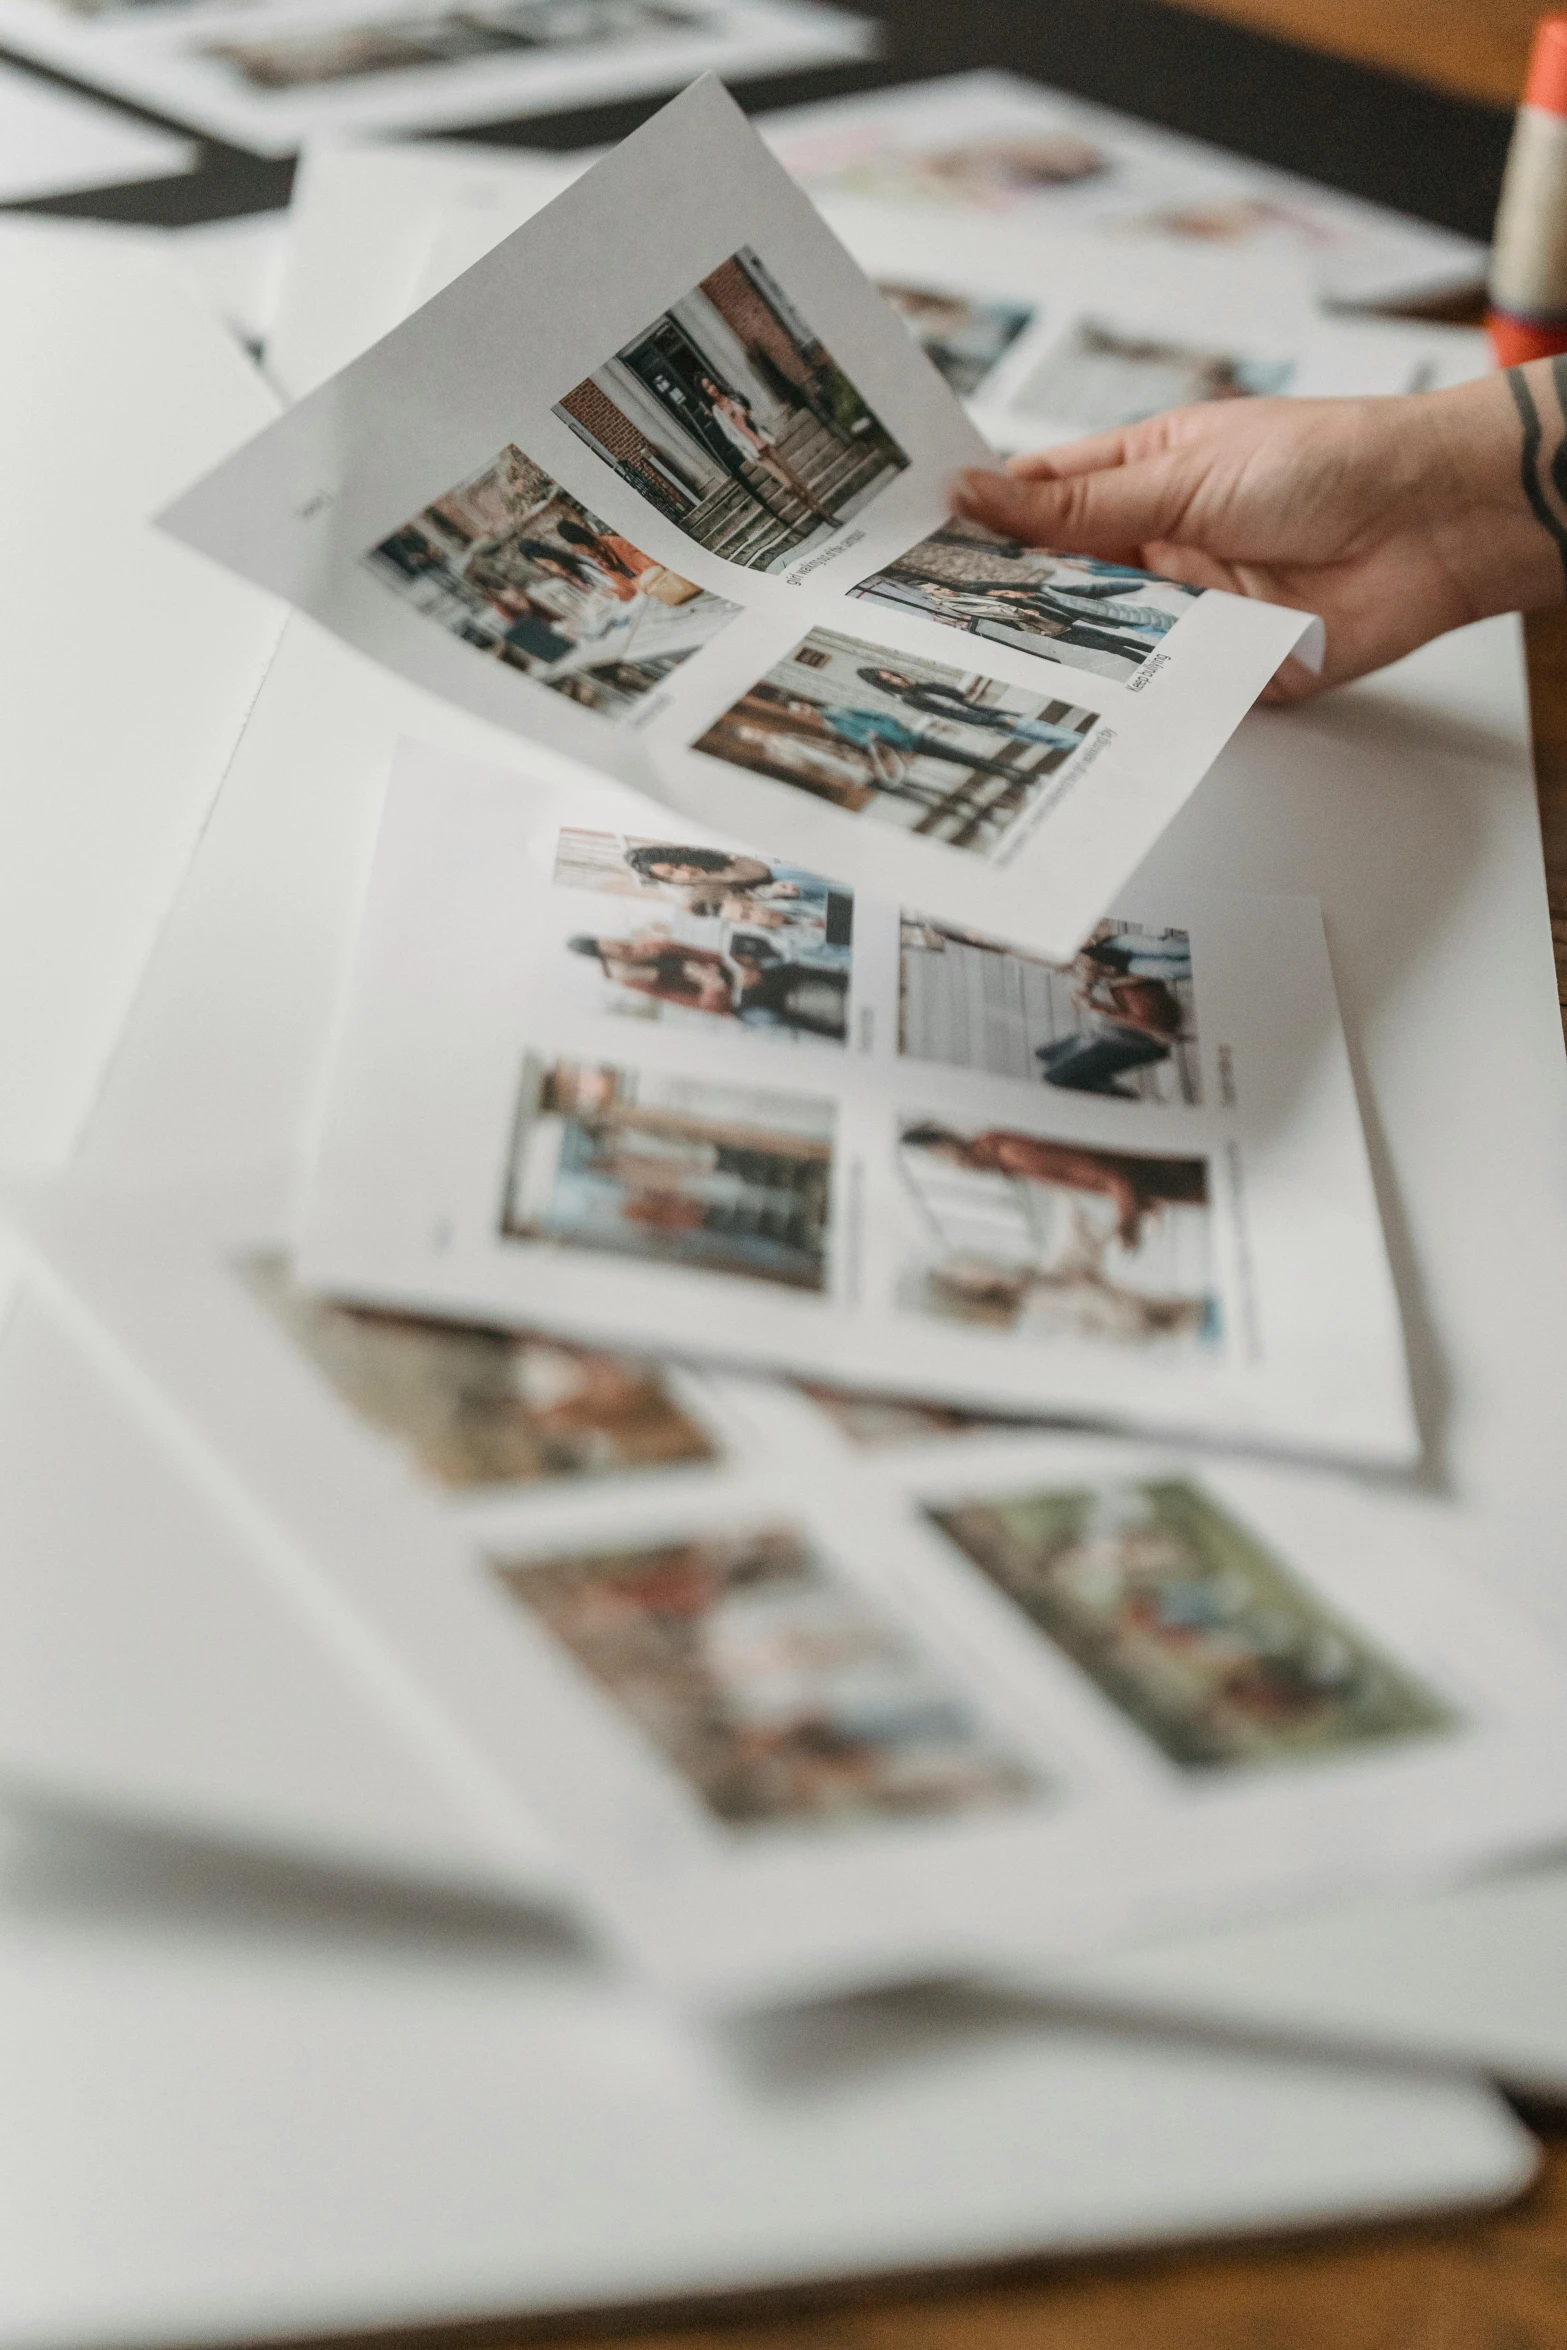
(1559, 454)
(1533, 490)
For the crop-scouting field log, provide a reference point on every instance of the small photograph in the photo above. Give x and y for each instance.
(1234, 220)
(871, 1422)
(515, 566)
(673, 1170)
(1051, 1239)
(962, 335)
(731, 419)
(447, 36)
(994, 173)
(1119, 1019)
(1098, 377)
(947, 753)
(1077, 609)
(765, 945)
(771, 1687)
(472, 1406)
(1188, 1625)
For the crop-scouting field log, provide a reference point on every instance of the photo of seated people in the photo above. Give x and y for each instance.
(761, 943)
(1076, 609)
(514, 565)
(1056, 1239)
(946, 753)
(1119, 1020)
(736, 423)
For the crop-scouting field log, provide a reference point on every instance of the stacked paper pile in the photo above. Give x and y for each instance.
(734, 1332)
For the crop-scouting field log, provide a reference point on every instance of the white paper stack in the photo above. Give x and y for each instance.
(522, 1480)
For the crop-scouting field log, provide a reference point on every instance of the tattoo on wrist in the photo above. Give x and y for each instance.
(1544, 477)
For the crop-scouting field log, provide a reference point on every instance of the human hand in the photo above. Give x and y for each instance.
(1395, 519)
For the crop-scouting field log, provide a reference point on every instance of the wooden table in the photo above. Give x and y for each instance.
(1497, 2282)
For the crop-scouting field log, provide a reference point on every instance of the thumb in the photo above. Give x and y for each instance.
(1113, 511)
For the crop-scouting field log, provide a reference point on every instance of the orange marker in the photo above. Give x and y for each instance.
(1528, 313)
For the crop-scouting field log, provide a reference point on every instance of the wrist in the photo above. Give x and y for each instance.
(1503, 527)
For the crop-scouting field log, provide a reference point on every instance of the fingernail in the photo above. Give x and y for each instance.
(980, 487)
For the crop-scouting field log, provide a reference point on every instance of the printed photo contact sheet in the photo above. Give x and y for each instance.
(660, 1090)
(661, 481)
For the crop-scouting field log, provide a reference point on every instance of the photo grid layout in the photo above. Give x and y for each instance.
(514, 565)
(1119, 1020)
(949, 754)
(779, 1695)
(1047, 1238)
(1190, 1627)
(761, 945)
(1077, 609)
(675, 1170)
(734, 422)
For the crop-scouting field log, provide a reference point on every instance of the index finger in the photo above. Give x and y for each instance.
(1091, 455)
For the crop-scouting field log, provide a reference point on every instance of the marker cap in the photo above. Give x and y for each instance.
(1516, 340)
(1546, 85)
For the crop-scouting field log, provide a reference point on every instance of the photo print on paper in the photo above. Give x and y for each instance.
(1238, 220)
(673, 1170)
(994, 172)
(758, 942)
(949, 754)
(1118, 1020)
(1099, 377)
(872, 1422)
(443, 37)
(1076, 609)
(1190, 1626)
(735, 423)
(1052, 1239)
(473, 1406)
(962, 335)
(777, 1693)
(515, 566)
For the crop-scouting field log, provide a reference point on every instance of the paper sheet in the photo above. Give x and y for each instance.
(994, 143)
(678, 541)
(53, 141)
(271, 74)
(803, 1715)
(1047, 338)
(657, 1090)
(128, 667)
(239, 265)
(1442, 952)
(360, 218)
(546, 2140)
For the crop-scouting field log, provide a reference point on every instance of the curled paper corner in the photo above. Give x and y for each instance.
(1311, 651)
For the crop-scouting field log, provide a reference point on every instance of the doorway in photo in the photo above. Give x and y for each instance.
(734, 422)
